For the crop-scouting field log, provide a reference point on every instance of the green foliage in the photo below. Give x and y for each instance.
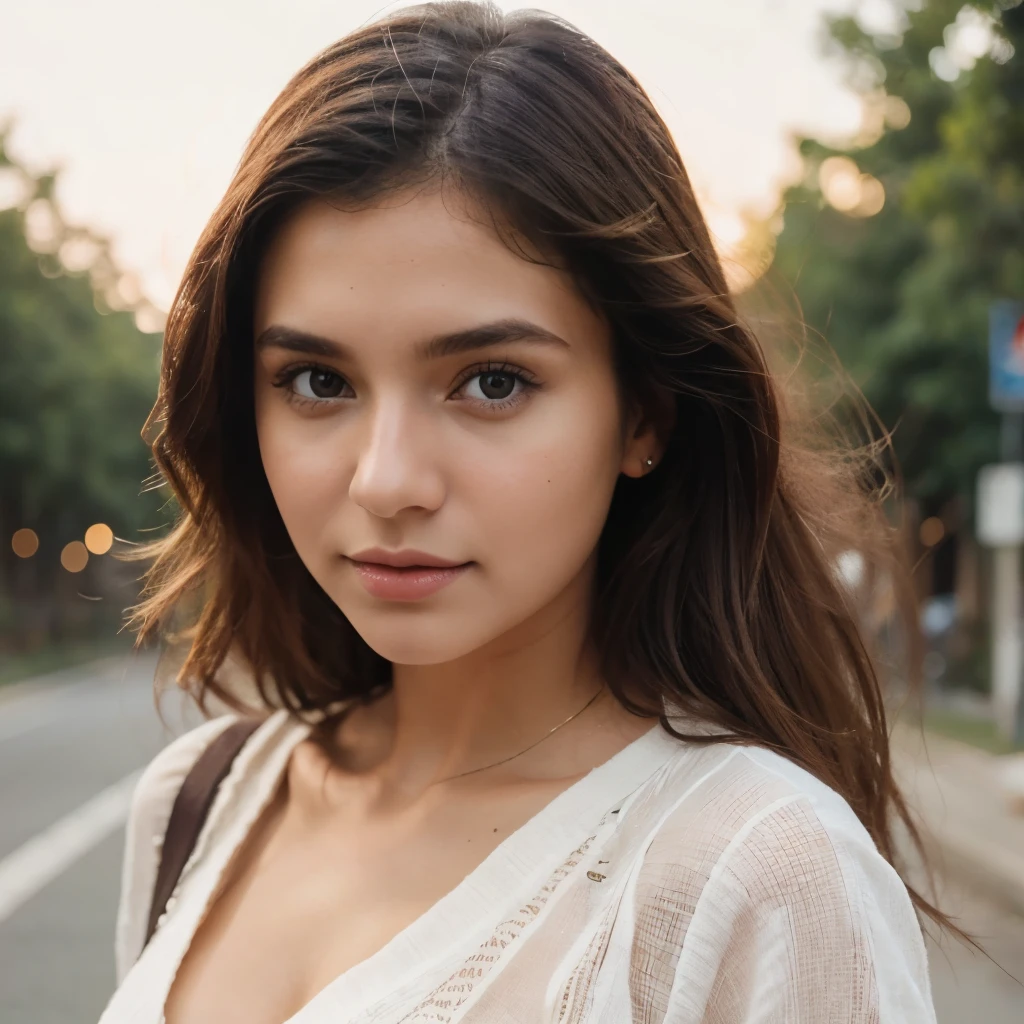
(76, 387)
(903, 295)
(74, 393)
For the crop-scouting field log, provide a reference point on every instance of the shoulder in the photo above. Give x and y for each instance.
(736, 795)
(761, 870)
(785, 837)
(161, 779)
(753, 816)
(148, 815)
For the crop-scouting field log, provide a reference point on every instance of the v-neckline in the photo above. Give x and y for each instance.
(509, 874)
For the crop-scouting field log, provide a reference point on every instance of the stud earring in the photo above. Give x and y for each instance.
(648, 462)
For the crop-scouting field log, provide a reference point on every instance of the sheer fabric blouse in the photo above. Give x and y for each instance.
(674, 884)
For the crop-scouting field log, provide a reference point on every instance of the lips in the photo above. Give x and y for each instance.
(405, 575)
(405, 559)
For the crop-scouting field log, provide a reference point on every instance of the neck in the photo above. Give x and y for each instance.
(445, 719)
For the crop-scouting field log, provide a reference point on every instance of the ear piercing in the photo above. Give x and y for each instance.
(648, 462)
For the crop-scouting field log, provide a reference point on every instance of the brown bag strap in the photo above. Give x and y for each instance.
(191, 806)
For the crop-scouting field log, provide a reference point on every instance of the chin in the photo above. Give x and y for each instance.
(411, 640)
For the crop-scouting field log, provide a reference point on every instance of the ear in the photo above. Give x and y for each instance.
(647, 428)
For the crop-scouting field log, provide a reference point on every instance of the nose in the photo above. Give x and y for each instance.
(398, 466)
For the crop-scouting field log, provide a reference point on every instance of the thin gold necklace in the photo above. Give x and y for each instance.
(505, 760)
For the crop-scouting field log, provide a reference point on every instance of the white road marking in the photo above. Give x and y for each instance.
(38, 862)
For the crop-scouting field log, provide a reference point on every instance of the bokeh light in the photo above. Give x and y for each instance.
(99, 538)
(897, 112)
(78, 253)
(839, 178)
(850, 566)
(872, 197)
(42, 228)
(848, 190)
(15, 187)
(932, 531)
(74, 557)
(25, 543)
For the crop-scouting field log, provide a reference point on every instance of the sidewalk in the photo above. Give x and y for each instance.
(965, 810)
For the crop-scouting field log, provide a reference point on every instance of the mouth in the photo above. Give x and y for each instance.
(406, 558)
(405, 575)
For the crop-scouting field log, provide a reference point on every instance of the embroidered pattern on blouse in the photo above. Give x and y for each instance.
(440, 1006)
(575, 995)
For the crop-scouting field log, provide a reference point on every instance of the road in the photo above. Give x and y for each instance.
(65, 743)
(61, 744)
(967, 987)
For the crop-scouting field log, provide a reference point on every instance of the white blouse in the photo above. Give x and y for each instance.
(674, 884)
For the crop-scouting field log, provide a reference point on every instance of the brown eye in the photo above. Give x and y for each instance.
(496, 386)
(318, 383)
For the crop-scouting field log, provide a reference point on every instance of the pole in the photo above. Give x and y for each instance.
(1012, 437)
(1006, 641)
(1007, 646)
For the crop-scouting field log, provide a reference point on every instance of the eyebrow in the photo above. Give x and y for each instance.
(497, 332)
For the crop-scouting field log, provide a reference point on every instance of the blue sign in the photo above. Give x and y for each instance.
(1006, 355)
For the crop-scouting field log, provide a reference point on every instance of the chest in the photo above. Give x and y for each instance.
(302, 903)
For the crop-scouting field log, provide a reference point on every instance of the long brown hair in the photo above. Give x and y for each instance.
(717, 582)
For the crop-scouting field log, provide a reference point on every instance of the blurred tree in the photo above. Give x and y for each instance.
(896, 244)
(78, 381)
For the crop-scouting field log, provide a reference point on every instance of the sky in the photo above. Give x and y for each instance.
(146, 107)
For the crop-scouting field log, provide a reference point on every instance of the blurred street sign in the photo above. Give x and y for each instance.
(1006, 355)
(1001, 504)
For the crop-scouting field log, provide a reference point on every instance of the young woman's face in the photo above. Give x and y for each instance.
(423, 395)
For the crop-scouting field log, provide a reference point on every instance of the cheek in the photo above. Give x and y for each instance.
(546, 501)
(306, 479)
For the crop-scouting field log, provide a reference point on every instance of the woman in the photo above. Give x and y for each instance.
(566, 715)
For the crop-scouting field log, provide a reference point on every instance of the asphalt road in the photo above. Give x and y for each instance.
(967, 987)
(65, 742)
(62, 743)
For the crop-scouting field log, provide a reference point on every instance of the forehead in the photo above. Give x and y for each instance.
(416, 264)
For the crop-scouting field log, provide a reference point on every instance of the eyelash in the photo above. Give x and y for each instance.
(524, 377)
(285, 377)
(529, 383)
